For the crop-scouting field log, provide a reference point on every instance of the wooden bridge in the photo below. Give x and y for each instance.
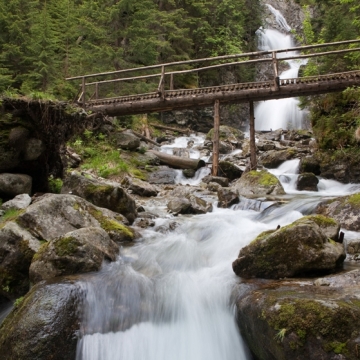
(166, 98)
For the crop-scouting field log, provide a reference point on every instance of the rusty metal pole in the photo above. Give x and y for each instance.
(215, 165)
(253, 161)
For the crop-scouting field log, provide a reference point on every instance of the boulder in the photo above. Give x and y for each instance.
(307, 181)
(19, 202)
(229, 135)
(227, 197)
(273, 158)
(105, 194)
(179, 206)
(198, 205)
(78, 251)
(303, 247)
(126, 140)
(306, 319)
(190, 204)
(17, 248)
(345, 209)
(44, 324)
(189, 173)
(352, 249)
(309, 164)
(257, 184)
(140, 187)
(15, 184)
(229, 170)
(33, 149)
(163, 176)
(222, 181)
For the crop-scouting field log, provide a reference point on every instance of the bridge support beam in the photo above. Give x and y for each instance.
(215, 163)
(253, 160)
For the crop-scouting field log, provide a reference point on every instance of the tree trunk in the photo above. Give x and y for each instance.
(178, 162)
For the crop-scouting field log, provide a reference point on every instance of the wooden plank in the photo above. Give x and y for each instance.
(253, 160)
(216, 140)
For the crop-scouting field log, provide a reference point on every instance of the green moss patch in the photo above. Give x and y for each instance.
(263, 177)
(354, 200)
(66, 246)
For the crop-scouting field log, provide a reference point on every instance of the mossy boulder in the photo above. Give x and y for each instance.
(44, 324)
(229, 170)
(273, 158)
(309, 164)
(139, 187)
(258, 183)
(108, 195)
(307, 182)
(345, 209)
(79, 251)
(15, 184)
(228, 134)
(125, 140)
(303, 247)
(306, 319)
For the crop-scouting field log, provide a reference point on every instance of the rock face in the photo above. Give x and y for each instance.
(344, 209)
(309, 164)
(104, 194)
(307, 181)
(78, 251)
(258, 183)
(15, 184)
(302, 247)
(303, 319)
(273, 158)
(44, 325)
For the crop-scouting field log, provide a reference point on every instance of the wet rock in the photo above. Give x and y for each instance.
(302, 247)
(179, 206)
(19, 202)
(257, 184)
(309, 164)
(297, 135)
(105, 194)
(265, 145)
(222, 181)
(229, 170)
(273, 158)
(163, 176)
(44, 324)
(198, 205)
(15, 184)
(228, 135)
(352, 248)
(190, 204)
(307, 181)
(227, 197)
(144, 223)
(189, 173)
(78, 251)
(182, 152)
(17, 248)
(140, 187)
(126, 140)
(301, 320)
(346, 210)
(212, 186)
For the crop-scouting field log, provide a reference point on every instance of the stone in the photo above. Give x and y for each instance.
(179, 206)
(302, 247)
(44, 324)
(257, 184)
(78, 251)
(222, 181)
(273, 158)
(309, 164)
(227, 197)
(15, 184)
(307, 181)
(33, 149)
(229, 170)
(19, 202)
(189, 173)
(126, 140)
(163, 176)
(140, 187)
(228, 134)
(198, 205)
(101, 193)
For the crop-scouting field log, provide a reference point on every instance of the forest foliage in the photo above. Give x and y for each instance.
(44, 41)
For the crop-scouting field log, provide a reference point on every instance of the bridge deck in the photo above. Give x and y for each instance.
(233, 93)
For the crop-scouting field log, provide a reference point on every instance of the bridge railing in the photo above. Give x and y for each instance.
(166, 72)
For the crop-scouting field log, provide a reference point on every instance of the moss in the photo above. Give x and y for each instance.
(262, 236)
(92, 190)
(336, 346)
(10, 215)
(41, 251)
(354, 200)
(66, 246)
(77, 206)
(55, 185)
(320, 220)
(263, 177)
(18, 301)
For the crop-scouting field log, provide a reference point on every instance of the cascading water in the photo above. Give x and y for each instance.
(283, 113)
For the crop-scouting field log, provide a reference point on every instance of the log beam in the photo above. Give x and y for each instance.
(253, 160)
(178, 162)
(215, 164)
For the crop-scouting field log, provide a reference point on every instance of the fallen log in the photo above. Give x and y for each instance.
(142, 137)
(178, 162)
(182, 131)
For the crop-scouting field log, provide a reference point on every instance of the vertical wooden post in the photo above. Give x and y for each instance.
(161, 88)
(215, 165)
(253, 161)
(96, 91)
(83, 91)
(276, 71)
(171, 81)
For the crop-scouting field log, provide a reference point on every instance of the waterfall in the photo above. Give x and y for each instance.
(283, 113)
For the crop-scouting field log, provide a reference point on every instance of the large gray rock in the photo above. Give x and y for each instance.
(345, 209)
(101, 193)
(227, 197)
(163, 175)
(44, 325)
(274, 158)
(19, 202)
(300, 248)
(79, 251)
(257, 184)
(140, 187)
(309, 164)
(126, 140)
(15, 184)
(301, 319)
(190, 204)
(307, 182)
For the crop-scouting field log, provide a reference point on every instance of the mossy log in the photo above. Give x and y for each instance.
(178, 162)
